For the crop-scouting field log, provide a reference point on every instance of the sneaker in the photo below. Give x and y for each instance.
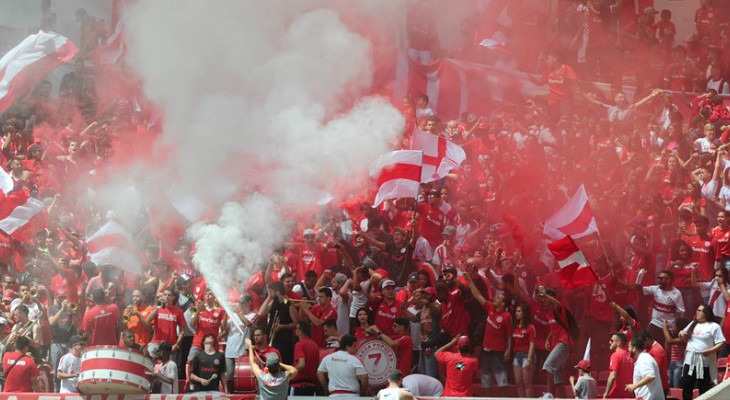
(547, 395)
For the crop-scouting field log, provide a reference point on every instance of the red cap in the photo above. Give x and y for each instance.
(463, 342)
(585, 365)
(430, 290)
(8, 295)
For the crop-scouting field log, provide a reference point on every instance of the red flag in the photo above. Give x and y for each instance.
(574, 270)
(112, 245)
(22, 216)
(575, 219)
(398, 174)
(29, 62)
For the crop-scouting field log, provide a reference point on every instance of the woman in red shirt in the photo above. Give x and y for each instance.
(523, 344)
(363, 331)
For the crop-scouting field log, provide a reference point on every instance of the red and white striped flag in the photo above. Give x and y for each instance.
(439, 155)
(575, 219)
(398, 174)
(112, 245)
(22, 216)
(29, 62)
(574, 269)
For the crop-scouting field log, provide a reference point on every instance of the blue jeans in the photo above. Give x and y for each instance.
(427, 363)
(675, 373)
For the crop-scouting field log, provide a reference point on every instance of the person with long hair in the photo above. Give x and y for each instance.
(523, 342)
(628, 321)
(704, 339)
(364, 321)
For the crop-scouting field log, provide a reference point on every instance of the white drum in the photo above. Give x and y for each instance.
(113, 370)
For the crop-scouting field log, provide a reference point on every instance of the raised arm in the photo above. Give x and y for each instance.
(474, 291)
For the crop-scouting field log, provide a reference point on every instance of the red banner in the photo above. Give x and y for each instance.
(187, 396)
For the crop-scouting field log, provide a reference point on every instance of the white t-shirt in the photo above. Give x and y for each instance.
(359, 299)
(235, 345)
(343, 311)
(343, 370)
(704, 336)
(33, 309)
(667, 304)
(643, 367)
(168, 370)
(718, 307)
(423, 385)
(703, 145)
(725, 195)
(69, 364)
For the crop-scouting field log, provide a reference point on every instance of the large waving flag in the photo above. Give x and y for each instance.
(398, 174)
(29, 62)
(112, 245)
(575, 219)
(22, 216)
(574, 270)
(440, 155)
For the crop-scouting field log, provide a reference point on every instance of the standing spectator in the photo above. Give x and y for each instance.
(167, 370)
(668, 304)
(620, 365)
(100, 322)
(704, 338)
(65, 322)
(401, 342)
(21, 372)
(273, 383)
(69, 367)
(586, 386)
(136, 316)
(169, 323)
(523, 345)
(560, 79)
(559, 340)
(306, 360)
(235, 344)
(208, 367)
(460, 368)
(341, 373)
(388, 309)
(319, 314)
(210, 319)
(645, 384)
(656, 351)
(497, 343)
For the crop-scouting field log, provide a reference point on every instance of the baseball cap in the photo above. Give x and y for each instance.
(463, 342)
(340, 277)
(8, 295)
(386, 283)
(272, 362)
(449, 230)
(451, 269)
(413, 277)
(308, 232)
(585, 365)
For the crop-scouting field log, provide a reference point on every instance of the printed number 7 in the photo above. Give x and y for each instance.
(375, 356)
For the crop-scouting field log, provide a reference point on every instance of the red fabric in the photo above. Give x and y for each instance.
(209, 321)
(166, 323)
(404, 353)
(328, 314)
(385, 315)
(307, 349)
(660, 356)
(498, 328)
(454, 318)
(574, 269)
(703, 253)
(19, 378)
(522, 337)
(101, 323)
(431, 223)
(622, 363)
(460, 370)
(558, 83)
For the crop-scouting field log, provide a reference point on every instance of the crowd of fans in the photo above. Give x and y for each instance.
(457, 281)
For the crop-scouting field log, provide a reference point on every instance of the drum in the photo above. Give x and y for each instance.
(378, 359)
(244, 381)
(45, 379)
(113, 370)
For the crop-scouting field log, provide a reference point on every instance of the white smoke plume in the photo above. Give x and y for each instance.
(268, 95)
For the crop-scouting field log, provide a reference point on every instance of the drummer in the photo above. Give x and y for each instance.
(128, 341)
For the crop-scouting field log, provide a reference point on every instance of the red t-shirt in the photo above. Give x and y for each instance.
(630, 331)
(623, 364)
(598, 304)
(100, 322)
(209, 321)
(683, 274)
(324, 314)
(498, 328)
(166, 323)
(541, 317)
(460, 372)
(706, 21)
(721, 242)
(454, 318)
(19, 379)
(385, 316)
(522, 337)
(431, 223)
(559, 83)
(660, 356)
(559, 334)
(703, 253)
(307, 349)
(404, 353)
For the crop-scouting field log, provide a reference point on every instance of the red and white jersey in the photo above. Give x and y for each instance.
(209, 321)
(385, 316)
(667, 304)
